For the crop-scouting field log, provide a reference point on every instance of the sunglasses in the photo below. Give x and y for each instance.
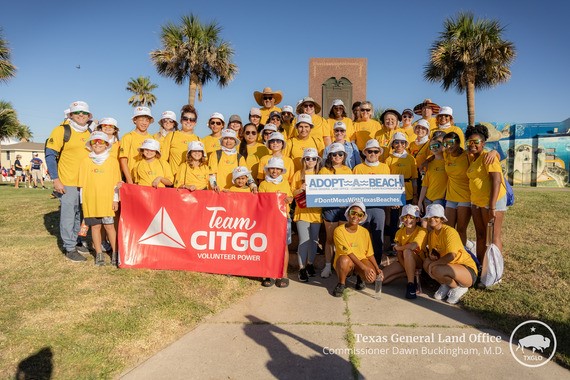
(407, 116)
(372, 151)
(449, 143)
(167, 121)
(365, 110)
(474, 142)
(99, 142)
(256, 116)
(356, 213)
(107, 126)
(267, 97)
(310, 158)
(80, 113)
(274, 141)
(339, 130)
(215, 123)
(250, 133)
(335, 154)
(435, 146)
(184, 118)
(267, 132)
(286, 114)
(309, 105)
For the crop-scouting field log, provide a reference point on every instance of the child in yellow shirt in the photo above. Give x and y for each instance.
(129, 150)
(239, 179)
(194, 173)
(150, 170)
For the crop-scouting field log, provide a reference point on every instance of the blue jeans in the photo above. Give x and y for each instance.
(69, 217)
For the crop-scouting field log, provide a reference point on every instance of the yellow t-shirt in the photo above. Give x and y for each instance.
(349, 127)
(457, 180)
(420, 152)
(480, 182)
(357, 243)
(364, 131)
(382, 168)
(289, 166)
(319, 130)
(254, 154)
(282, 187)
(340, 170)
(418, 236)
(175, 147)
(432, 123)
(295, 148)
(70, 157)
(265, 112)
(197, 176)
(384, 137)
(129, 148)
(435, 180)
(115, 147)
(211, 144)
(447, 240)
(97, 184)
(409, 132)
(407, 167)
(160, 138)
(224, 167)
(235, 189)
(308, 214)
(144, 173)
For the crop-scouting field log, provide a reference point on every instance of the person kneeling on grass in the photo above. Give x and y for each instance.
(410, 241)
(354, 252)
(447, 261)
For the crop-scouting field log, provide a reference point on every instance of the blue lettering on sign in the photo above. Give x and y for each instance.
(385, 182)
(328, 182)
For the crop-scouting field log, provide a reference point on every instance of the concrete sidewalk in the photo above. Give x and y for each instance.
(301, 333)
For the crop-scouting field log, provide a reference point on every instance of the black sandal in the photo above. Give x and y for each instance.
(282, 282)
(267, 282)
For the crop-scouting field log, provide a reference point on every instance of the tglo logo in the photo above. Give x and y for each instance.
(535, 343)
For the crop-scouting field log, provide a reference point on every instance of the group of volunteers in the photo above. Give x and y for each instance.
(449, 178)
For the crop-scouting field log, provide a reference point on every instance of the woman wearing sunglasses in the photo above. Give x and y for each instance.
(488, 190)
(337, 113)
(320, 130)
(335, 163)
(304, 139)
(276, 144)
(434, 182)
(212, 142)
(251, 149)
(444, 120)
(352, 153)
(175, 146)
(366, 127)
(354, 253)
(407, 128)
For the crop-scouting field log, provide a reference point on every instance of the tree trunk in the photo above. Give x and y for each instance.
(470, 101)
(191, 93)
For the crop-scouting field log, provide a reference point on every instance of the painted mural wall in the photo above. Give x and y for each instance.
(532, 154)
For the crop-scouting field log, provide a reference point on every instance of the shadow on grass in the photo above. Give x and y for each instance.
(51, 224)
(38, 366)
(284, 363)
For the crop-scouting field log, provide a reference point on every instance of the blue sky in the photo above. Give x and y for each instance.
(273, 41)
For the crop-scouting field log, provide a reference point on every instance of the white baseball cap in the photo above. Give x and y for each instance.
(275, 162)
(339, 125)
(435, 210)
(142, 111)
(196, 145)
(445, 110)
(361, 206)
(78, 106)
(240, 171)
(336, 147)
(217, 115)
(304, 118)
(276, 136)
(96, 135)
(150, 144)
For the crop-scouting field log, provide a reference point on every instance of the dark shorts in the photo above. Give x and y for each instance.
(334, 214)
(472, 273)
(97, 221)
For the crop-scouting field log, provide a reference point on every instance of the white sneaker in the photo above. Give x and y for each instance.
(455, 294)
(442, 292)
(326, 272)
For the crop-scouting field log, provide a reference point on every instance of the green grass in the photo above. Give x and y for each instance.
(77, 320)
(536, 281)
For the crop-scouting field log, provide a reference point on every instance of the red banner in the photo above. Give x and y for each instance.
(203, 231)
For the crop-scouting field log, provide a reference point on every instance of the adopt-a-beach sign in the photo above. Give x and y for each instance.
(341, 190)
(203, 231)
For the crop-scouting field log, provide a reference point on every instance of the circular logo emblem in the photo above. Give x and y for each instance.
(534, 343)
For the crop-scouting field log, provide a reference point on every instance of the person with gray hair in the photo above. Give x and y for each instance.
(365, 128)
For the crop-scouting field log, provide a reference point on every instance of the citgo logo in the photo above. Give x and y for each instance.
(162, 232)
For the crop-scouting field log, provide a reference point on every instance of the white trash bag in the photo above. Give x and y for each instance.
(493, 264)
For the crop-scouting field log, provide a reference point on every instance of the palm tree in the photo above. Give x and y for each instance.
(142, 88)
(9, 124)
(7, 69)
(470, 55)
(194, 52)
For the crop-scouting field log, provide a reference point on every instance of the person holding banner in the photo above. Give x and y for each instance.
(194, 173)
(239, 179)
(410, 243)
(150, 170)
(276, 144)
(222, 162)
(376, 215)
(400, 162)
(447, 261)
(303, 139)
(251, 149)
(333, 216)
(212, 142)
(275, 183)
(352, 152)
(308, 219)
(354, 251)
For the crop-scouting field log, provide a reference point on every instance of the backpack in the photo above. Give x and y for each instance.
(66, 137)
(510, 193)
